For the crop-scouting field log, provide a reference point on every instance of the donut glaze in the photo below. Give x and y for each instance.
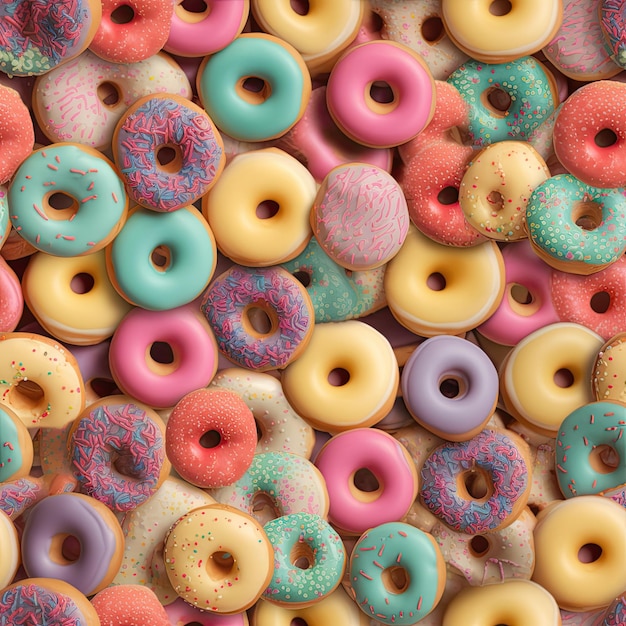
(17, 134)
(607, 370)
(129, 604)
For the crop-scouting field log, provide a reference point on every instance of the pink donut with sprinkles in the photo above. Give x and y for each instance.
(129, 604)
(17, 134)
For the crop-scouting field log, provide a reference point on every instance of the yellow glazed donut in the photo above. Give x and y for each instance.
(514, 603)
(265, 221)
(231, 566)
(546, 376)
(434, 289)
(492, 34)
(72, 297)
(346, 377)
(608, 370)
(580, 545)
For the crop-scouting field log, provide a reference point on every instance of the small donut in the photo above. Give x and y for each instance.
(132, 31)
(496, 186)
(17, 134)
(211, 437)
(546, 375)
(16, 447)
(72, 297)
(11, 557)
(223, 19)
(397, 573)
(354, 509)
(607, 370)
(523, 29)
(450, 386)
(224, 577)
(612, 26)
(37, 36)
(179, 612)
(480, 485)
(85, 209)
(281, 428)
(277, 484)
(129, 605)
(83, 100)
(527, 304)
(271, 176)
(360, 216)
(55, 518)
(370, 122)
(451, 291)
(284, 316)
(303, 539)
(160, 261)
(168, 152)
(579, 548)
(575, 227)
(225, 87)
(354, 371)
(507, 100)
(157, 357)
(117, 450)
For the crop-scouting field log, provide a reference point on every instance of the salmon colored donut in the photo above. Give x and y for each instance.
(11, 298)
(129, 605)
(17, 134)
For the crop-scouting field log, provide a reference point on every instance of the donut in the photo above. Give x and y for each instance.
(607, 368)
(363, 118)
(96, 529)
(507, 100)
(179, 612)
(36, 37)
(17, 134)
(588, 134)
(281, 428)
(84, 212)
(211, 437)
(11, 298)
(496, 186)
(546, 375)
(450, 386)
(451, 291)
(298, 540)
(498, 36)
(93, 363)
(16, 447)
(479, 485)
(354, 371)
(612, 26)
(224, 577)
(11, 557)
(168, 152)
(129, 604)
(282, 230)
(360, 216)
(106, 91)
(355, 506)
(575, 227)
(132, 32)
(586, 537)
(262, 318)
(157, 357)
(397, 573)
(226, 90)
(160, 261)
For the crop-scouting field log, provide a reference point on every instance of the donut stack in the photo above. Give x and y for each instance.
(312, 312)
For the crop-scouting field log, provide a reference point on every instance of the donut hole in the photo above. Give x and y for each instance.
(380, 97)
(395, 579)
(259, 320)
(124, 464)
(160, 358)
(253, 90)
(338, 377)
(497, 101)
(264, 507)
(220, 565)
(587, 215)
(58, 205)
(210, 439)
(474, 484)
(301, 7)
(192, 10)
(600, 302)
(432, 29)
(436, 281)
(108, 93)
(168, 158)
(453, 387)
(298, 621)
(82, 283)
(448, 195)
(495, 200)
(589, 553)
(605, 138)
(123, 14)
(303, 277)
(302, 556)
(479, 546)
(27, 395)
(521, 300)
(65, 549)
(161, 258)
(563, 378)
(103, 387)
(365, 480)
(267, 209)
(500, 7)
(604, 459)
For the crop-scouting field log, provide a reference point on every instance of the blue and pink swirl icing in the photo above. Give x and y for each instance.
(613, 23)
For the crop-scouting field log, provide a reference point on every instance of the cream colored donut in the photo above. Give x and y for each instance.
(608, 370)
(281, 428)
(10, 547)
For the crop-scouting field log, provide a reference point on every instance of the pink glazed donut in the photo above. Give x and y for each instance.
(181, 613)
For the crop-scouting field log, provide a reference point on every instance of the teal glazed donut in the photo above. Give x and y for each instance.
(188, 251)
(552, 213)
(255, 116)
(389, 553)
(303, 539)
(87, 181)
(583, 435)
(524, 88)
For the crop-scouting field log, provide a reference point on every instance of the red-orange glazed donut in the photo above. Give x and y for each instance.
(129, 605)
(211, 437)
(17, 133)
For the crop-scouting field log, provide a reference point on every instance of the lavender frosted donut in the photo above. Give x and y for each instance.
(242, 298)
(161, 127)
(450, 386)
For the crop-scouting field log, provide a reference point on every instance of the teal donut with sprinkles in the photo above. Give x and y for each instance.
(507, 101)
(575, 227)
(309, 560)
(397, 573)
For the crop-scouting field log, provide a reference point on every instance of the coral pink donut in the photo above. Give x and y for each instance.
(389, 470)
(527, 302)
(181, 613)
(200, 34)
(17, 133)
(188, 359)
(122, 605)
(590, 134)
(11, 298)
(132, 31)
(211, 437)
(381, 124)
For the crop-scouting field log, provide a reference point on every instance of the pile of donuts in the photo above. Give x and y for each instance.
(312, 312)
